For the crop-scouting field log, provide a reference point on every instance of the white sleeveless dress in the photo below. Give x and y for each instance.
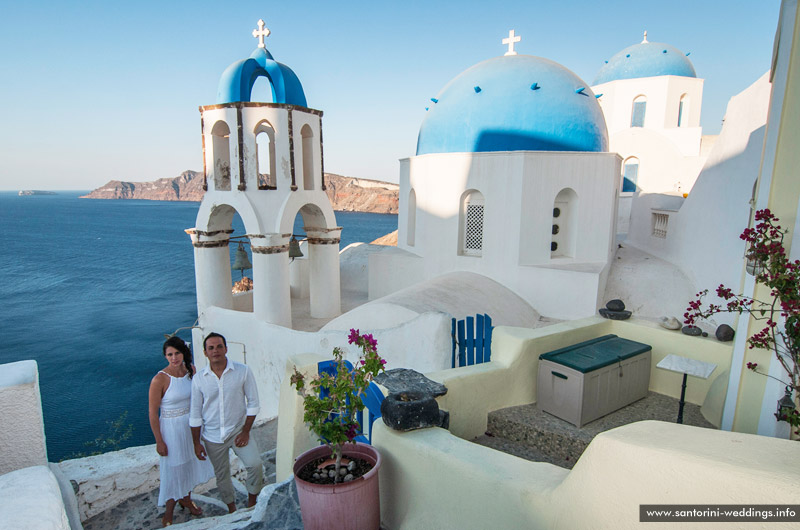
(180, 470)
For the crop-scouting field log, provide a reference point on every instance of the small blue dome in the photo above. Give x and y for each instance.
(514, 103)
(236, 83)
(646, 59)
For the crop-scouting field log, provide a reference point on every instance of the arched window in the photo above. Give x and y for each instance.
(265, 156)
(221, 153)
(308, 157)
(564, 229)
(638, 112)
(683, 111)
(630, 174)
(411, 217)
(471, 224)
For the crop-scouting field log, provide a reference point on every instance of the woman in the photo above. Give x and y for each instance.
(170, 390)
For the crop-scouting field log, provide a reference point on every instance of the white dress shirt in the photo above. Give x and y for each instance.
(220, 404)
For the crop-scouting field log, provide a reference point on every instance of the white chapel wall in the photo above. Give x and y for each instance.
(702, 236)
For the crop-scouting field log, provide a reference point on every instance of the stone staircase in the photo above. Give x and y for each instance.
(529, 433)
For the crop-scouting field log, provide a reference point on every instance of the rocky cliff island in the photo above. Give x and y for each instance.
(346, 193)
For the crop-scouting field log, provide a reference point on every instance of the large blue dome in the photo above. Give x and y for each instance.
(514, 103)
(236, 83)
(646, 59)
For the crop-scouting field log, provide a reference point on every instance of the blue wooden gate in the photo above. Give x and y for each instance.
(473, 339)
(371, 398)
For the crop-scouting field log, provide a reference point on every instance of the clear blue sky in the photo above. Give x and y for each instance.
(101, 90)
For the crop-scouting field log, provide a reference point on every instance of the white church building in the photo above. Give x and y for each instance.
(513, 180)
(652, 98)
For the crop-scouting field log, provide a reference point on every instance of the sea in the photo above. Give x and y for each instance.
(88, 288)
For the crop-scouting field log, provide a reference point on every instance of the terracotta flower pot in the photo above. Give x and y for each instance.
(354, 505)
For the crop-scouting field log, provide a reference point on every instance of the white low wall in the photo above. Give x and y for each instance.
(30, 499)
(431, 479)
(22, 442)
(423, 344)
(105, 481)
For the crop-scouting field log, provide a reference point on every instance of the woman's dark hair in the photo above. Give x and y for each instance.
(181, 346)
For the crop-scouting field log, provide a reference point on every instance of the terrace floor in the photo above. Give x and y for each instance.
(529, 433)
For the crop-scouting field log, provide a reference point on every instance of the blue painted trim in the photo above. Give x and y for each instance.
(488, 357)
(479, 346)
(462, 345)
(453, 335)
(470, 341)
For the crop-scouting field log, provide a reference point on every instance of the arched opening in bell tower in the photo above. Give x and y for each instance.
(265, 155)
(221, 153)
(227, 261)
(308, 157)
(314, 275)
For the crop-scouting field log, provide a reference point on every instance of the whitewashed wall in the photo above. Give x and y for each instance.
(30, 499)
(22, 441)
(422, 344)
(663, 95)
(703, 234)
(519, 189)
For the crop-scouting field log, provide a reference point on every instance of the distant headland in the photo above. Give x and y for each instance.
(24, 193)
(346, 193)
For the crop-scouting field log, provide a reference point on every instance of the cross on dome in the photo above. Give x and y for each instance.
(510, 41)
(260, 33)
(644, 41)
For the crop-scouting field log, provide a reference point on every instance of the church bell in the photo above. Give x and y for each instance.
(294, 249)
(241, 262)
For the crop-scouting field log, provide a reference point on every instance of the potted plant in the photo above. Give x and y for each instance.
(767, 261)
(337, 482)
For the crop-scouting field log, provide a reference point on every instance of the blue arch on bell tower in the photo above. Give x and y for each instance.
(236, 83)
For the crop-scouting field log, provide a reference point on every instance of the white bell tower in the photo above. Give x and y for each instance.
(264, 161)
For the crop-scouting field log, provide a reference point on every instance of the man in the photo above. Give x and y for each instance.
(224, 405)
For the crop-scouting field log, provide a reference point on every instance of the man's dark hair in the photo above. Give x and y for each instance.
(211, 335)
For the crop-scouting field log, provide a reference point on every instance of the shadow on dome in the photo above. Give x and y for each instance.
(488, 141)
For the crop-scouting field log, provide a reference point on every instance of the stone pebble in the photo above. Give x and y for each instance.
(670, 323)
(693, 331)
(724, 333)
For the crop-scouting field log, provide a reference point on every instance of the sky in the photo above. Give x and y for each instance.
(101, 90)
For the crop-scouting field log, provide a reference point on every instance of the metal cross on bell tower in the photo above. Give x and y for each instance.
(260, 33)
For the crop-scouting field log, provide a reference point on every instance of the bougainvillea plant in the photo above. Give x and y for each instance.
(331, 402)
(780, 313)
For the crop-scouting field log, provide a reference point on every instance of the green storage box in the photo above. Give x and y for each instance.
(588, 380)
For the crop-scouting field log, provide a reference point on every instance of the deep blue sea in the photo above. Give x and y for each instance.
(89, 287)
